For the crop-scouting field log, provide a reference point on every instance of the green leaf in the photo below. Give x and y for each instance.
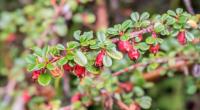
(124, 37)
(92, 69)
(88, 35)
(101, 36)
(118, 27)
(164, 17)
(44, 79)
(37, 51)
(45, 51)
(171, 21)
(62, 61)
(40, 65)
(189, 36)
(60, 47)
(31, 59)
(50, 66)
(70, 56)
(150, 40)
(80, 58)
(177, 26)
(144, 16)
(77, 35)
(159, 40)
(72, 45)
(145, 23)
(172, 13)
(31, 67)
(159, 27)
(60, 29)
(112, 31)
(107, 61)
(145, 102)
(135, 16)
(182, 19)
(113, 53)
(179, 11)
(143, 46)
(126, 24)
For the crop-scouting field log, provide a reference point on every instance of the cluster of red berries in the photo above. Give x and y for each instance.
(123, 46)
(78, 70)
(126, 47)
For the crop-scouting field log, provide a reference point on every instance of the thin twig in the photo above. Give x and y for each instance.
(157, 73)
(134, 66)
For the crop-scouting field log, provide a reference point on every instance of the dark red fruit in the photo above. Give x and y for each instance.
(154, 35)
(154, 48)
(79, 71)
(126, 86)
(99, 58)
(36, 74)
(134, 54)
(124, 46)
(181, 38)
(67, 67)
(76, 97)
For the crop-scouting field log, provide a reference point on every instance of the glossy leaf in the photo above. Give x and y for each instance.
(44, 79)
(80, 58)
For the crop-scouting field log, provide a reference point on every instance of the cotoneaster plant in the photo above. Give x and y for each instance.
(92, 57)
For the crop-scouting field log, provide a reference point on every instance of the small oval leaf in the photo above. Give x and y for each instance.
(80, 58)
(113, 53)
(107, 61)
(44, 79)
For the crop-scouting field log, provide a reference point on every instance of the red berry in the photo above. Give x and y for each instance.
(79, 71)
(124, 46)
(134, 54)
(26, 96)
(67, 67)
(154, 35)
(181, 38)
(154, 48)
(127, 86)
(140, 37)
(76, 97)
(99, 58)
(36, 74)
